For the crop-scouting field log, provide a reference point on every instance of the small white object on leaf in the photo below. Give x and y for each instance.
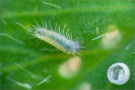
(118, 73)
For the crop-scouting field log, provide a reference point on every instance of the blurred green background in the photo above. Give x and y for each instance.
(112, 21)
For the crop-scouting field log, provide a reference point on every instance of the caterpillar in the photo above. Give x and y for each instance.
(61, 42)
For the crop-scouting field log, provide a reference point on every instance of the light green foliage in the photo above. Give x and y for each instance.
(84, 18)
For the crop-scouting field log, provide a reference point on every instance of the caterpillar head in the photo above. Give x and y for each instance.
(76, 47)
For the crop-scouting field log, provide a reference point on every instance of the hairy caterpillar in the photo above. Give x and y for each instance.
(59, 41)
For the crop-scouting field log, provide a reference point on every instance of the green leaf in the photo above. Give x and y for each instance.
(107, 28)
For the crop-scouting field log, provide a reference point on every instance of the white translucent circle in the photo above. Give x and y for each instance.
(118, 73)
